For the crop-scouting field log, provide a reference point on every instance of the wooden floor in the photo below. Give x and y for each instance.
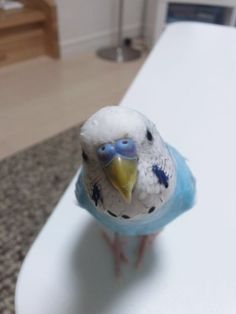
(43, 97)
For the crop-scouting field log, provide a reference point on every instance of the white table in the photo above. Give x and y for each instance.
(187, 86)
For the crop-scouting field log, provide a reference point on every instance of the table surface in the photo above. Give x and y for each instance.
(187, 87)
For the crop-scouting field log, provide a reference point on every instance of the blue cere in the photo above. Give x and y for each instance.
(160, 174)
(126, 147)
(105, 153)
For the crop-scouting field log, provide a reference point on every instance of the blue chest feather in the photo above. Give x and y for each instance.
(182, 199)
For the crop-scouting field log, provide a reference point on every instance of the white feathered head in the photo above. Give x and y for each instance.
(121, 149)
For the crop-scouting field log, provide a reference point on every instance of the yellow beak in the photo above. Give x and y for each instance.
(122, 174)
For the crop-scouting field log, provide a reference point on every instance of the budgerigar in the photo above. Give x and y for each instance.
(131, 181)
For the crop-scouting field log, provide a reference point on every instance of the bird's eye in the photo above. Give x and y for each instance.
(105, 153)
(126, 147)
(85, 156)
(149, 136)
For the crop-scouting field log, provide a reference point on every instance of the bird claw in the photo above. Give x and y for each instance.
(116, 248)
(145, 241)
(116, 244)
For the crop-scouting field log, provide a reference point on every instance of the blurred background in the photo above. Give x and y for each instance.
(50, 76)
(60, 61)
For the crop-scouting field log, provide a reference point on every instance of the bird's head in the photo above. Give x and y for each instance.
(113, 140)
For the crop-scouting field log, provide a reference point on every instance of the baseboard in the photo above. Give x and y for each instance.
(92, 42)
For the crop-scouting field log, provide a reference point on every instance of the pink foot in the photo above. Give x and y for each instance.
(145, 241)
(116, 248)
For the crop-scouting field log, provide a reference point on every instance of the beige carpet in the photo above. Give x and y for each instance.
(32, 182)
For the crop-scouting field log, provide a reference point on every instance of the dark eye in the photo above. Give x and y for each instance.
(149, 136)
(85, 156)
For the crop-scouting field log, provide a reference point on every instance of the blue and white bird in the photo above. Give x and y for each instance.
(131, 181)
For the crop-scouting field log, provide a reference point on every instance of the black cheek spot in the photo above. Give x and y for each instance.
(163, 179)
(85, 156)
(96, 194)
(111, 213)
(125, 216)
(151, 210)
(149, 136)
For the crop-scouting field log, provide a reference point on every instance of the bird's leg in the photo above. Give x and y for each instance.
(116, 248)
(144, 242)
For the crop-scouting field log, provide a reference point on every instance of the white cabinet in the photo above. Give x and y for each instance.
(157, 14)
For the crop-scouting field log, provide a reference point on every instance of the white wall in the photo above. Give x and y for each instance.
(90, 24)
